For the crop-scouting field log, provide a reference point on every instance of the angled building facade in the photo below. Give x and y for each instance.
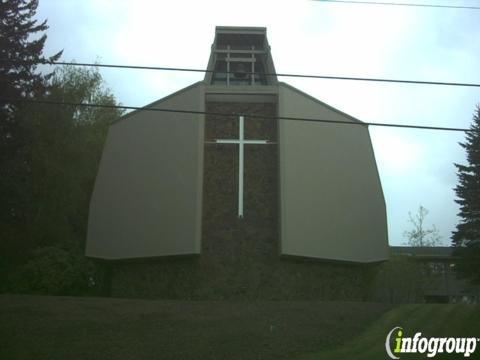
(234, 174)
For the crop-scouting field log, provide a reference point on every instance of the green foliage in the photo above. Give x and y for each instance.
(21, 47)
(64, 151)
(67, 147)
(466, 237)
(419, 235)
(56, 271)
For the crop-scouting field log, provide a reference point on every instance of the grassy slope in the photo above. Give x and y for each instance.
(431, 320)
(43, 327)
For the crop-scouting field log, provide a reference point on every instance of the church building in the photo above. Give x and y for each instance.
(222, 169)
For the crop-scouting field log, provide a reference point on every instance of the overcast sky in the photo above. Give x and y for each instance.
(416, 166)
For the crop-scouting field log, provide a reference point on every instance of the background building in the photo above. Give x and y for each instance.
(436, 267)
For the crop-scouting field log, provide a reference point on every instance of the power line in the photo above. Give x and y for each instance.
(196, 112)
(402, 4)
(327, 77)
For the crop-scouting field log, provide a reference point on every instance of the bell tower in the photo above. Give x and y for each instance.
(240, 56)
(240, 156)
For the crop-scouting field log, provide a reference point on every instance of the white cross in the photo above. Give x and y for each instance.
(241, 141)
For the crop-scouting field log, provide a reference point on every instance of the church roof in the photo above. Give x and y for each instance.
(431, 252)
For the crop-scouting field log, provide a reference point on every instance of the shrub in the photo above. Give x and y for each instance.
(55, 271)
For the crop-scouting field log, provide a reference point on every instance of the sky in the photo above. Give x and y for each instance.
(312, 37)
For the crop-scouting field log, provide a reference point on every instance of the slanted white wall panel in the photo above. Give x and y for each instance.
(147, 196)
(332, 205)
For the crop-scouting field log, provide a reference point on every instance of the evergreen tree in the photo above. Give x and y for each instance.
(467, 235)
(19, 57)
(21, 47)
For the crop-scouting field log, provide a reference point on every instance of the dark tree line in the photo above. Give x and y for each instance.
(48, 160)
(19, 54)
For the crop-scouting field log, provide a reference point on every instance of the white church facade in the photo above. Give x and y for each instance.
(223, 160)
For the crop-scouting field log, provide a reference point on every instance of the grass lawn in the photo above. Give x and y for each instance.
(432, 320)
(44, 327)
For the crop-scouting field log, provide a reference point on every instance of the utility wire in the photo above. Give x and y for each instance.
(136, 67)
(402, 4)
(184, 111)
